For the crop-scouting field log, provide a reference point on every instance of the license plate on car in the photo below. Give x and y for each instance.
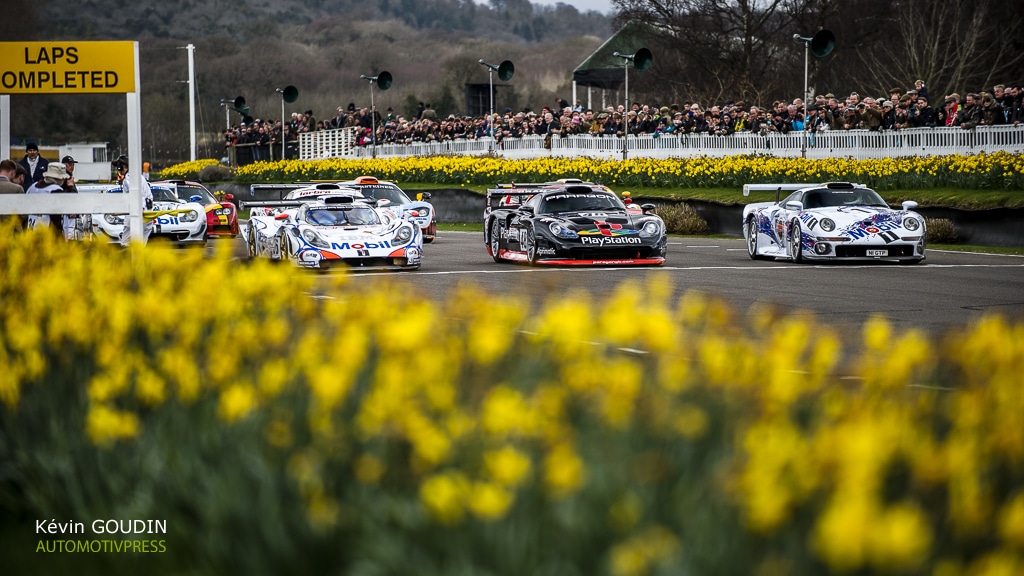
(877, 252)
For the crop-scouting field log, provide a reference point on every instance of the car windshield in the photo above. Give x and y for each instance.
(580, 203)
(834, 198)
(187, 191)
(342, 216)
(391, 193)
(163, 195)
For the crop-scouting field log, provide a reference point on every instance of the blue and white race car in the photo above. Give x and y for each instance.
(335, 230)
(833, 221)
(181, 222)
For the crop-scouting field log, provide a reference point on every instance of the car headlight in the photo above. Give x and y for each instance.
(418, 212)
(827, 224)
(113, 218)
(313, 238)
(222, 211)
(403, 235)
(911, 224)
(650, 228)
(190, 216)
(562, 231)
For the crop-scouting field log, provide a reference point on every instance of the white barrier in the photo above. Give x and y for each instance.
(856, 144)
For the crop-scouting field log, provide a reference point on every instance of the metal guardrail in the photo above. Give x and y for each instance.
(856, 144)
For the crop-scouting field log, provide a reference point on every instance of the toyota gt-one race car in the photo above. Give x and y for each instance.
(570, 223)
(389, 195)
(833, 221)
(335, 230)
(221, 217)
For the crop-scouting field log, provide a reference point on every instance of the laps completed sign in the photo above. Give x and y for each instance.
(67, 67)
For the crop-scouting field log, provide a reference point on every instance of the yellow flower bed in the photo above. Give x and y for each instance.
(998, 171)
(187, 170)
(484, 433)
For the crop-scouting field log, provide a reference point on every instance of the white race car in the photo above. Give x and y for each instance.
(183, 223)
(335, 230)
(388, 194)
(833, 221)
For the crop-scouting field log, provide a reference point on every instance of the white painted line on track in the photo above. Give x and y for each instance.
(978, 253)
(512, 269)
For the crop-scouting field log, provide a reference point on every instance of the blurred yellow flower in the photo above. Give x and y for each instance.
(507, 466)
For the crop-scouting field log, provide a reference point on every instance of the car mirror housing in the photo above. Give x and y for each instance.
(795, 206)
(648, 208)
(527, 209)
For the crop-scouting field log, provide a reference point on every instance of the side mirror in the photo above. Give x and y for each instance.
(195, 198)
(909, 204)
(648, 208)
(423, 196)
(281, 216)
(795, 206)
(527, 209)
(383, 202)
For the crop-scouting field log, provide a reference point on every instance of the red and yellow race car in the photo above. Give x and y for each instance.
(221, 216)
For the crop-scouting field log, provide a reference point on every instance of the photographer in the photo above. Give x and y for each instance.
(869, 115)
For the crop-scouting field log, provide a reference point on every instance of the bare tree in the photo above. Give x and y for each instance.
(954, 46)
(711, 49)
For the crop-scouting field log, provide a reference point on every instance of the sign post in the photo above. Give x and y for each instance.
(75, 67)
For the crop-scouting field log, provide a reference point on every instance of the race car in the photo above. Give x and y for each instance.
(388, 194)
(833, 221)
(221, 217)
(570, 222)
(335, 230)
(171, 219)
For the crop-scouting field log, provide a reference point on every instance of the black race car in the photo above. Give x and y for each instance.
(570, 222)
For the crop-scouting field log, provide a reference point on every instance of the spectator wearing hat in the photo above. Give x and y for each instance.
(69, 167)
(991, 111)
(51, 182)
(946, 115)
(34, 164)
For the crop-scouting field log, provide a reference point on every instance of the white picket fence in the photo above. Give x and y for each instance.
(857, 144)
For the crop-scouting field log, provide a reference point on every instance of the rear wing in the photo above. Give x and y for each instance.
(778, 188)
(516, 194)
(272, 195)
(260, 192)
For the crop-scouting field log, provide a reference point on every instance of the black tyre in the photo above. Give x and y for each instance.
(494, 240)
(250, 242)
(283, 243)
(795, 237)
(531, 247)
(752, 239)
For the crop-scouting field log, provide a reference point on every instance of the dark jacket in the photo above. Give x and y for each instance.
(36, 176)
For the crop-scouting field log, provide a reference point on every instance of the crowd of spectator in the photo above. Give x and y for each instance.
(898, 109)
